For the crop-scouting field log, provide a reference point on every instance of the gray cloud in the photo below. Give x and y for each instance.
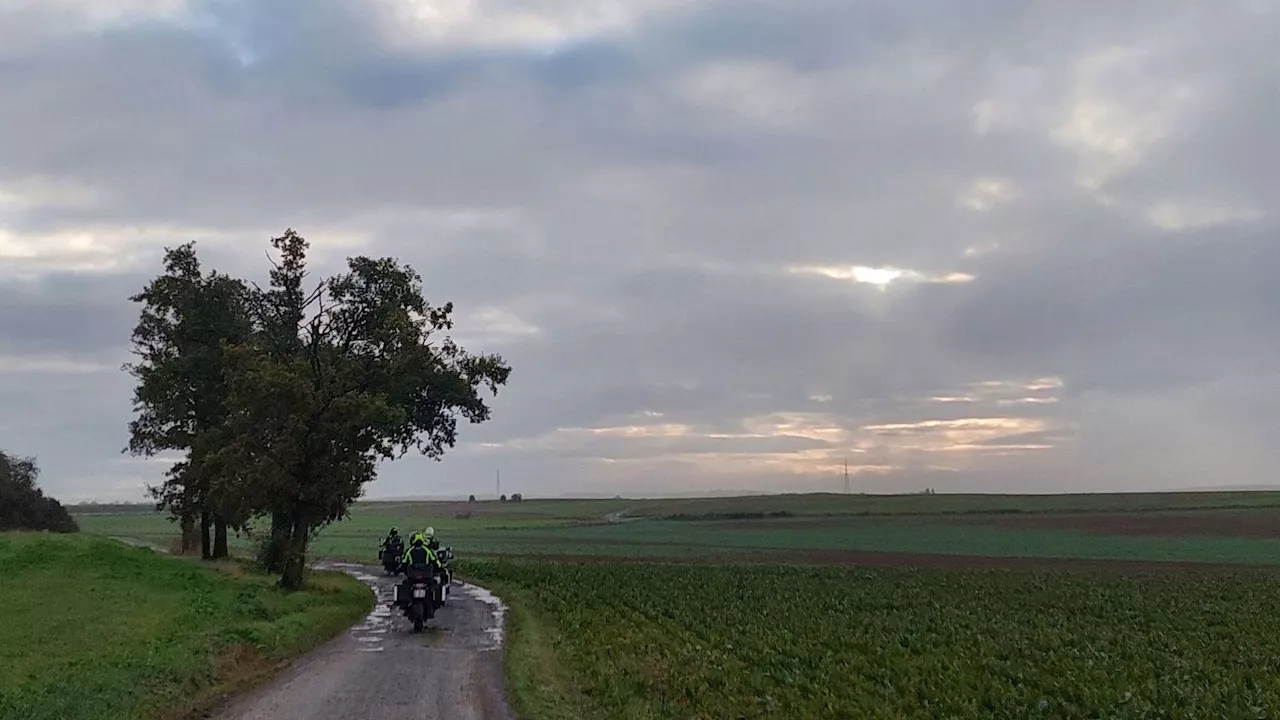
(656, 217)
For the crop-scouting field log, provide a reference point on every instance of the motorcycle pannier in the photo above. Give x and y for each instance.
(404, 593)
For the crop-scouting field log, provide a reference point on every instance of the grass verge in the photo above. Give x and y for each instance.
(97, 630)
(540, 687)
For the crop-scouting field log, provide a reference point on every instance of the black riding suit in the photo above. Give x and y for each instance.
(420, 557)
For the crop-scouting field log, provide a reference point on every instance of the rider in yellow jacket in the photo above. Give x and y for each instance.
(419, 554)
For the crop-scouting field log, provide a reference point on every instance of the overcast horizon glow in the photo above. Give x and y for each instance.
(994, 246)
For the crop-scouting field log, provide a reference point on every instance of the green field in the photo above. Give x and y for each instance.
(94, 629)
(659, 641)
(831, 504)
(807, 504)
(802, 528)
(761, 541)
(828, 606)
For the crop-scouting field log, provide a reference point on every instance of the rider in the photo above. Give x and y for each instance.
(419, 554)
(391, 540)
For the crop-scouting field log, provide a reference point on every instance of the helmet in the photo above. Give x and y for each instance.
(394, 532)
(417, 539)
(431, 532)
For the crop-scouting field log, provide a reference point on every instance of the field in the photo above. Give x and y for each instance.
(1108, 606)
(661, 641)
(810, 529)
(95, 629)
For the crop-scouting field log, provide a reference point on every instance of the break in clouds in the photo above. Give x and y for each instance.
(987, 246)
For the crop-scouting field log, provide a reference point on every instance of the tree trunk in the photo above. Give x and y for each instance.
(219, 538)
(190, 538)
(206, 545)
(295, 561)
(277, 545)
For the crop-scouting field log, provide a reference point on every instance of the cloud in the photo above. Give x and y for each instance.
(1004, 246)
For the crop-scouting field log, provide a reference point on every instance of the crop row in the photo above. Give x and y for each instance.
(659, 641)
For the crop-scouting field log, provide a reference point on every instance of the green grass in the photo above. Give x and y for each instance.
(494, 534)
(539, 685)
(824, 505)
(559, 511)
(95, 630)
(355, 538)
(646, 641)
(649, 642)
(831, 504)
(676, 538)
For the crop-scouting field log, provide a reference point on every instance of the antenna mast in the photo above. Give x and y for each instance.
(846, 474)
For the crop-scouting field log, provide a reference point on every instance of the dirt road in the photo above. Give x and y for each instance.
(381, 670)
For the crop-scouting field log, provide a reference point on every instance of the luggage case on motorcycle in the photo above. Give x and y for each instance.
(402, 594)
(404, 590)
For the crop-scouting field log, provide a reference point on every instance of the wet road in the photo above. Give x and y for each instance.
(380, 670)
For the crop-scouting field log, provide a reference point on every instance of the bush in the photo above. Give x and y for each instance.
(22, 505)
(268, 555)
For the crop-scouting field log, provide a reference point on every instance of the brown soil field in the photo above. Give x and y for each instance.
(1204, 523)
(1252, 523)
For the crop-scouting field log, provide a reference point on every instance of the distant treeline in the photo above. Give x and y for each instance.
(92, 508)
(22, 505)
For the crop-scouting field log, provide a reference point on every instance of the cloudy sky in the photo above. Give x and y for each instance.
(992, 245)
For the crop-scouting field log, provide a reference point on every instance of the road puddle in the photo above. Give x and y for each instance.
(371, 633)
(496, 627)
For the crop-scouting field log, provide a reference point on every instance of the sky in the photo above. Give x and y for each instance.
(991, 246)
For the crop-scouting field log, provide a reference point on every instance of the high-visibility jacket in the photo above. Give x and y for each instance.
(419, 555)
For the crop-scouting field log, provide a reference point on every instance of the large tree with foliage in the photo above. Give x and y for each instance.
(335, 379)
(22, 505)
(187, 319)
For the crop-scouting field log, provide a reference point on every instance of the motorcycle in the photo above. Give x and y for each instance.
(390, 557)
(445, 557)
(416, 596)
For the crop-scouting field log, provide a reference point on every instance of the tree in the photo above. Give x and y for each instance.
(471, 499)
(502, 498)
(279, 315)
(22, 505)
(517, 497)
(334, 381)
(187, 318)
